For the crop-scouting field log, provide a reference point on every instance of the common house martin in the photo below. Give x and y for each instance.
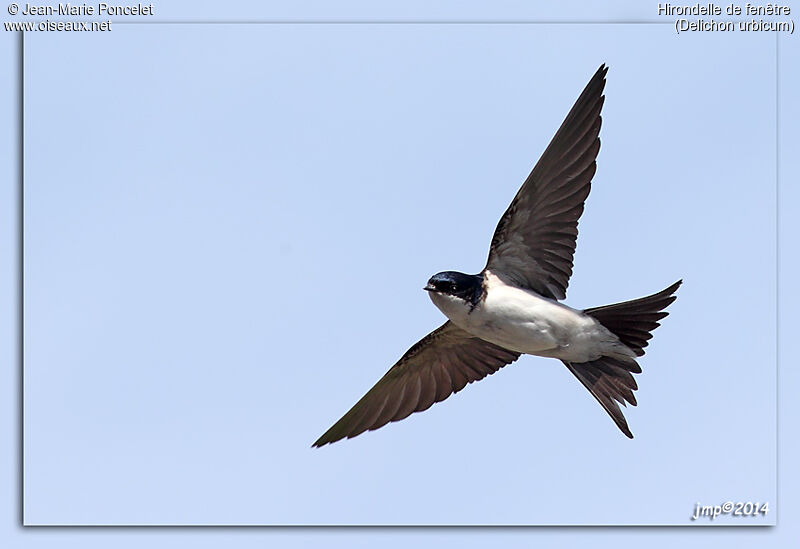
(512, 306)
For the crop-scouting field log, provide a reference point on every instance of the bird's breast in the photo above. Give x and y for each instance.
(521, 321)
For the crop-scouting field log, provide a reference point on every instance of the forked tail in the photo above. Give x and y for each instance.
(610, 379)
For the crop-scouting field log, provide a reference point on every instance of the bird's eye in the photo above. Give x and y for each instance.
(453, 287)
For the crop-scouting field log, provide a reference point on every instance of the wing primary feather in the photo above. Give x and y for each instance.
(440, 364)
(555, 190)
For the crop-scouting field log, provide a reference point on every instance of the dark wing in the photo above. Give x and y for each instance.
(534, 242)
(440, 364)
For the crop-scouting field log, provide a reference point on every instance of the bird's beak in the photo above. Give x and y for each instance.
(429, 288)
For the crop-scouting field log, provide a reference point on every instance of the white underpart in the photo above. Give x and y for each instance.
(523, 321)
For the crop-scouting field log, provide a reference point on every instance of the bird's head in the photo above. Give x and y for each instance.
(457, 285)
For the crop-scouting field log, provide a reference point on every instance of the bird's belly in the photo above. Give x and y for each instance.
(523, 337)
(529, 333)
(526, 323)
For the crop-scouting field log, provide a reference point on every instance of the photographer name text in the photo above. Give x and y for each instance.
(68, 9)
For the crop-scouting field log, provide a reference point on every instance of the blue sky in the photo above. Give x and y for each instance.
(215, 189)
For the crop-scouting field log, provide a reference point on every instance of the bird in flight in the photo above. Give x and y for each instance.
(512, 306)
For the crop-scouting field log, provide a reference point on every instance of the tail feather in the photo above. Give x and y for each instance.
(608, 389)
(610, 379)
(632, 321)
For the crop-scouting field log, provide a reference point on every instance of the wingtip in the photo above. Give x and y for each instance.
(670, 290)
(320, 442)
(598, 81)
(330, 437)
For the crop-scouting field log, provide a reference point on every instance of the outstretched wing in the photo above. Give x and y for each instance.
(534, 242)
(440, 364)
